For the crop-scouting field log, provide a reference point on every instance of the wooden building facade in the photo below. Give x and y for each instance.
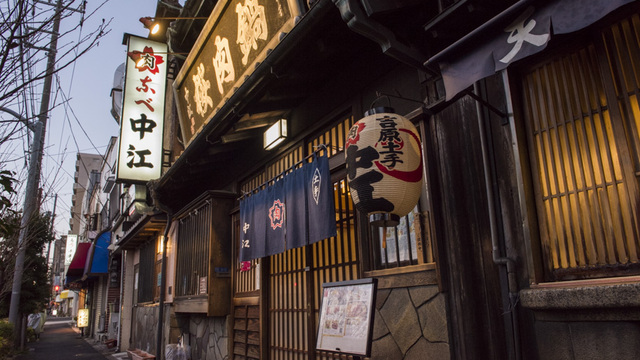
(524, 242)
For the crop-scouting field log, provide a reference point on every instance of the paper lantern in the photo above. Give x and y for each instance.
(384, 166)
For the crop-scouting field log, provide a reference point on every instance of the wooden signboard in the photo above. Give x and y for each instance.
(238, 37)
(346, 317)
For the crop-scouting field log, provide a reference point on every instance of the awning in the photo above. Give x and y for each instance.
(98, 256)
(65, 294)
(76, 268)
(139, 232)
(522, 30)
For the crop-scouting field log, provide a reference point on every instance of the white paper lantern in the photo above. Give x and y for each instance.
(384, 165)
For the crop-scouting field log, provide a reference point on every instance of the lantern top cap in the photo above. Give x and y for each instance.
(379, 110)
(384, 219)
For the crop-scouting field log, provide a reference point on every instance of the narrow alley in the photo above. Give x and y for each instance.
(61, 341)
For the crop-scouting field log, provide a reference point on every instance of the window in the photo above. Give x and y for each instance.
(583, 120)
(399, 245)
(194, 238)
(147, 274)
(203, 255)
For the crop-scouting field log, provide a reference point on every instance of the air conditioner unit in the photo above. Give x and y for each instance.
(109, 183)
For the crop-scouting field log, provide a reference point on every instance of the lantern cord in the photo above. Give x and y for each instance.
(316, 150)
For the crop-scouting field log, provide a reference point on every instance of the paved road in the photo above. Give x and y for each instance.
(60, 341)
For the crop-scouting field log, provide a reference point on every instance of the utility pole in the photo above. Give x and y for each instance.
(33, 179)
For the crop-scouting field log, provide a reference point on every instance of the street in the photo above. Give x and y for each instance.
(60, 340)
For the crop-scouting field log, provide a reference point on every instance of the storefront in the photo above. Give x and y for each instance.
(526, 220)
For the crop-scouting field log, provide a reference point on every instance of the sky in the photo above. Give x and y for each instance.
(85, 124)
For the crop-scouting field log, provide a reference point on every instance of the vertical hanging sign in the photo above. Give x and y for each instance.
(142, 122)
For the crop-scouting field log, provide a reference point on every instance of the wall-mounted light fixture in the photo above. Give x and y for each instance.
(275, 134)
(160, 247)
(153, 24)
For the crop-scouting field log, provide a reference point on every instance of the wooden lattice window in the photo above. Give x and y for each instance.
(192, 263)
(582, 117)
(147, 272)
(402, 245)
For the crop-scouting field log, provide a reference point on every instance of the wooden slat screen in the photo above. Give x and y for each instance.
(288, 317)
(147, 275)
(333, 138)
(193, 243)
(336, 259)
(296, 278)
(246, 336)
(245, 281)
(246, 332)
(585, 203)
(621, 42)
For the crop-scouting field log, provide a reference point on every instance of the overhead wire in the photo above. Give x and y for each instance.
(59, 92)
(28, 104)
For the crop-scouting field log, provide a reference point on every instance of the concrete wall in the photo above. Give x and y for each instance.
(588, 340)
(586, 322)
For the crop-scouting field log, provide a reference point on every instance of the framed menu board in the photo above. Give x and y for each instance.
(346, 317)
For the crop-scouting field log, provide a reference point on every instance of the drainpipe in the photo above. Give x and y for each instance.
(163, 271)
(120, 303)
(498, 259)
(163, 286)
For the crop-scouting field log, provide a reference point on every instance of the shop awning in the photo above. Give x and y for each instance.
(522, 30)
(76, 268)
(139, 232)
(98, 256)
(65, 294)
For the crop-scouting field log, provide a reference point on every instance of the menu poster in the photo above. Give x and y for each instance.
(346, 317)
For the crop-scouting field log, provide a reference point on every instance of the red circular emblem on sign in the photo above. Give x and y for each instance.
(276, 214)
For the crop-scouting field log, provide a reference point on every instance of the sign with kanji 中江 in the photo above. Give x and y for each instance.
(141, 125)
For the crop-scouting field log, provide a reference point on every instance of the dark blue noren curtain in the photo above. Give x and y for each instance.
(320, 204)
(296, 204)
(276, 219)
(253, 227)
(294, 211)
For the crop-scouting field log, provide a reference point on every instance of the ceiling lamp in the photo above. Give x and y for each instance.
(275, 134)
(153, 24)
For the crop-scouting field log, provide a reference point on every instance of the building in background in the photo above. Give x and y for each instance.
(75, 249)
(85, 165)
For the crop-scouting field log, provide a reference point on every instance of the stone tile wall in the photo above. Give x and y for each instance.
(207, 337)
(145, 328)
(410, 323)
